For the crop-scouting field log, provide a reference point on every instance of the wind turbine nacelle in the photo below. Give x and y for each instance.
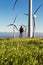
(34, 17)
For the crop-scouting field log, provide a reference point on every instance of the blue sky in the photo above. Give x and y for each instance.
(7, 15)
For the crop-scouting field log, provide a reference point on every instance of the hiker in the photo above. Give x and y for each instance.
(21, 31)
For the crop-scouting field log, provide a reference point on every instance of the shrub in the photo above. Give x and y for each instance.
(27, 51)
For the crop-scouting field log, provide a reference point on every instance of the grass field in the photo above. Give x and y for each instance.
(21, 51)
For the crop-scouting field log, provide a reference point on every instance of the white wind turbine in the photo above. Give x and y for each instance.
(29, 17)
(14, 26)
(34, 19)
(34, 24)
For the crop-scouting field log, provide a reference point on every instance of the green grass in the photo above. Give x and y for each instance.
(21, 51)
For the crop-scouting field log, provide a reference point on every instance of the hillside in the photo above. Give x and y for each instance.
(25, 51)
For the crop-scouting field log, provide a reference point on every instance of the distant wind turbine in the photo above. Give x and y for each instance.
(34, 24)
(34, 18)
(25, 28)
(14, 26)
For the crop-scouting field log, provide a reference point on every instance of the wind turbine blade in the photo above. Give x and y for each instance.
(15, 4)
(15, 19)
(37, 9)
(15, 27)
(10, 24)
(26, 14)
(24, 25)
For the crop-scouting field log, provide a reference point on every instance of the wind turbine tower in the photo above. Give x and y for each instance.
(30, 16)
(34, 24)
(30, 19)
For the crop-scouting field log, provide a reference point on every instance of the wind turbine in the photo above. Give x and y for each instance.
(29, 17)
(34, 24)
(14, 26)
(34, 18)
(25, 28)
